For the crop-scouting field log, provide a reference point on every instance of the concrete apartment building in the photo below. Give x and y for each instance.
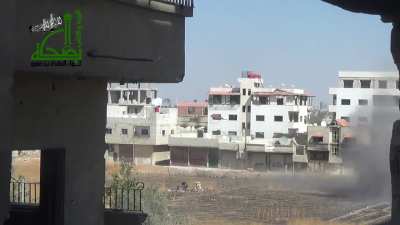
(192, 115)
(249, 126)
(137, 125)
(360, 94)
(61, 109)
(326, 146)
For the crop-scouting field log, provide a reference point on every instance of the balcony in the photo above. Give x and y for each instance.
(121, 205)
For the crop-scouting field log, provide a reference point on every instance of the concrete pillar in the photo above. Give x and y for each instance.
(395, 172)
(85, 164)
(7, 56)
(6, 139)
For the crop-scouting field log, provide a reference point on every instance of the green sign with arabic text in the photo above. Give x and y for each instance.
(70, 53)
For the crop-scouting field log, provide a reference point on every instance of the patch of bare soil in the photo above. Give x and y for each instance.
(237, 200)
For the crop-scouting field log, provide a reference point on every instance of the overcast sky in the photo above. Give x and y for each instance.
(294, 42)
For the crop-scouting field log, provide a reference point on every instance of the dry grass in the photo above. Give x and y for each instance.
(313, 222)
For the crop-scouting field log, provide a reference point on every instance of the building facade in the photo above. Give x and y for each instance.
(192, 114)
(249, 126)
(361, 94)
(137, 126)
(251, 110)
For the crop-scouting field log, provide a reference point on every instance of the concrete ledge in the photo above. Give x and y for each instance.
(161, 6)
(117, 217)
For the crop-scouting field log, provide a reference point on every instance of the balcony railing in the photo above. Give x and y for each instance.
(25, 193)
(183, 3)
(123, 199)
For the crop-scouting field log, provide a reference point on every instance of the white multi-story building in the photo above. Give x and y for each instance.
(360, 94)
(137, 125)
(251, 110)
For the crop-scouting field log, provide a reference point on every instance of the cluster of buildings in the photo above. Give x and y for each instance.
(248, 126)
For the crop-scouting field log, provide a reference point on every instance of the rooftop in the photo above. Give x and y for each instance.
(192, 104)
(368, 74)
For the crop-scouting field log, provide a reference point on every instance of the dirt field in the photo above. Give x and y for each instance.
(244, 198)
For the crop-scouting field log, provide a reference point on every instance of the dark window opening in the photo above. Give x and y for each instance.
(216, 132)
(383, 84)
(365, 83)
(259, 134)
(232, 117)
(124, 131)
(279, 101)
(348, 83)
(346, 101)
(260, 118)
(278, 118)
(363, 102)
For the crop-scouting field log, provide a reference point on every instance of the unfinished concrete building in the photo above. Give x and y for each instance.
(137, 125)
(326, 146)
(54, 97)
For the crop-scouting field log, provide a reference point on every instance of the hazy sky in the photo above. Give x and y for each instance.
(295, 42)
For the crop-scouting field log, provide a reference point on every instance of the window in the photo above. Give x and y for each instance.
(232, 117)
(108, 131)
(205, 111)
(243, 126)
(346, 102)
(232, 133)
(216, 132)
(300, 150)
(172, 131)
(363, 102)
(249, 92)
(260, 118)
(256, 85)
(317, 140)
(294, 117)
(216, 99)
(335, 135)
(279, 101)
(259, 134)
(163, 132)
(124, 131)
(348, 83)
(264, 100)
(216, 116)
(334, 99)
(335, 149)
(145, 132)
(365, 83)
(383, 84)
(278, 118)
(346, 118)
(243, 108)
(248, 108)
(235, 100)
(191, 110)
(244, 91)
